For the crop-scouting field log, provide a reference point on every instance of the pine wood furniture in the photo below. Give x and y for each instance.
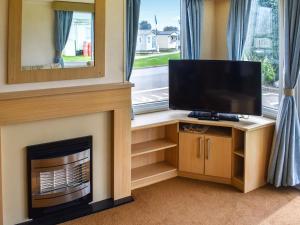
(15, 73)
(234, 153)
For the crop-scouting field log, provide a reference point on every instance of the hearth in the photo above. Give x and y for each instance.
(59, 176)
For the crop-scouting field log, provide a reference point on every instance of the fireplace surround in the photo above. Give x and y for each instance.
(29, 107)
(59, 176)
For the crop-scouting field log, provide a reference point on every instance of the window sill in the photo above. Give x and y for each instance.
(270, 113)
(164, 106)
(150, 107)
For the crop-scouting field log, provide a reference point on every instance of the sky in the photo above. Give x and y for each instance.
(166, 11)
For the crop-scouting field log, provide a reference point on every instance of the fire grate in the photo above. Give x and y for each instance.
(59, 174)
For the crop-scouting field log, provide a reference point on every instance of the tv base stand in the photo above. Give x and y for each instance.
(224, 152)
(214, 116)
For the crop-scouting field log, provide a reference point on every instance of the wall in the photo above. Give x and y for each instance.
(14, 156)
(208, 35)
(98, 125)
(221, 20)
(114, 51)
(37, 33)
(214, 29)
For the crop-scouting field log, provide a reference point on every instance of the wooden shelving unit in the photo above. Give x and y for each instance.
(151, 146)
(152, 173)
(238, 179)
(154, 155)
(155, 149)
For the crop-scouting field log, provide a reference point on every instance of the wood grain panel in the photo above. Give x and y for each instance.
(148, 159)
(122, 153)
(15, 73)
(218, 156)
(62, 105)
(150, 134)
(257, 155)
(191, 153)
(172, 134)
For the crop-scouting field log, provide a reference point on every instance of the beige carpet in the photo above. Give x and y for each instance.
(186, 202)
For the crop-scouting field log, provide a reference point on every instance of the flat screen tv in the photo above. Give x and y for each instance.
(216, 86)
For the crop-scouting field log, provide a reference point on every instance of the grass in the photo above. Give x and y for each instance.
(77, 58)
(153, 61)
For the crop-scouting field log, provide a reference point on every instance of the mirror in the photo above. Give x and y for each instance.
(56, 40)
(57, 34)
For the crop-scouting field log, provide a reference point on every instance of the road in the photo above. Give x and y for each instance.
(151, 85)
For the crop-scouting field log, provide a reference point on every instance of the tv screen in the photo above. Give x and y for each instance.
(215, 86)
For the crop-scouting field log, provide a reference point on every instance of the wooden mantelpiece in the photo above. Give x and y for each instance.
(30, 106)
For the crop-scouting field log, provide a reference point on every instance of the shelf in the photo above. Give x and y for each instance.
(238, 182)
(151, 146)
(150, 174)
(206, 130)
(240, 153)
(239, 179)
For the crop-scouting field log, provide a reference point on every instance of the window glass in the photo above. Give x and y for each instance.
(159, 20)
(263, 45)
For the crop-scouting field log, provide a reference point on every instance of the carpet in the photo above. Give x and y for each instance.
(181, 201)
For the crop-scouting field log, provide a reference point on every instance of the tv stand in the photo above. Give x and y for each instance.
(214, 116)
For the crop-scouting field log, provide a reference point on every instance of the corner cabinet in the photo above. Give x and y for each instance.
(205, 154)
(218, 156)
(169, 144)
(191, 153)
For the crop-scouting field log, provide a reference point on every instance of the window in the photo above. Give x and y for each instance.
(263, 45)
(158, 20)
(79, 47)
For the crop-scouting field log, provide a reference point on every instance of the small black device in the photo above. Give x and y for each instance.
(215, 89)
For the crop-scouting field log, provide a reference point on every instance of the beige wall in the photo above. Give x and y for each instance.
(37, 33)
(208, 35)
(14, 156)
(114, 51)
(221, 20)
(214, 29)
(98, 125)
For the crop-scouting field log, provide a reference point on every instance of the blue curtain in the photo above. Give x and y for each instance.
(132, 25)
(63, 22)
(191, 25)
(237, 29)
(284, 167)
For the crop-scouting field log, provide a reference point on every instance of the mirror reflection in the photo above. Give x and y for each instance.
(57, 34)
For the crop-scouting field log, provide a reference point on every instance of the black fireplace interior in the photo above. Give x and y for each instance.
(59, 176)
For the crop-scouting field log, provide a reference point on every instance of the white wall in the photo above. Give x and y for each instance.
(13, 156)
(114, 51)
(37, 33)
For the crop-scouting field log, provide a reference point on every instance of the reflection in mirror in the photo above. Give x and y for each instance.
(57, 34)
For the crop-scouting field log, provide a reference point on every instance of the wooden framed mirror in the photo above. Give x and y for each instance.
(51, 40)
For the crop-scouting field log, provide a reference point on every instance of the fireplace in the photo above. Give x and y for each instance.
(59, 176)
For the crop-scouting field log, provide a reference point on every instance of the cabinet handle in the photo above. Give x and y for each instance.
(199, 153)
(208, 149)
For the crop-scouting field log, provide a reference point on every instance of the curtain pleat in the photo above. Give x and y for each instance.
(237, 29)
(63, 22)
(284, 167)
(132, 25)
(191, 27)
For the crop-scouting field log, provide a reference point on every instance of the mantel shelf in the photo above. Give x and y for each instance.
(151, 146)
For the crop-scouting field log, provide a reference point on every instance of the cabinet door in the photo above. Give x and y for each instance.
(218, 156)
(191, 153)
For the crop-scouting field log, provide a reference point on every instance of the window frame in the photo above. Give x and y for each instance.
(266, 111)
